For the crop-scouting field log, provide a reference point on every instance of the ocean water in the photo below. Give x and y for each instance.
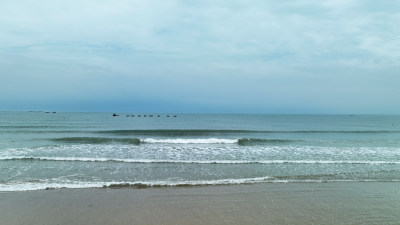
(41, 150)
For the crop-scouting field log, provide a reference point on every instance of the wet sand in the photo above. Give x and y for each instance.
(301, 203)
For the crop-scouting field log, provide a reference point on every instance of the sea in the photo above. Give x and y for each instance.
(52, 150)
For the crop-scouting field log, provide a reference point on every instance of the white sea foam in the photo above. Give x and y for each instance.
(12, 187)
(87, 159)
(191, 141)
(30, 186)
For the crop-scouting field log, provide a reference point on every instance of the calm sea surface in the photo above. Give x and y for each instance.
(41, 150)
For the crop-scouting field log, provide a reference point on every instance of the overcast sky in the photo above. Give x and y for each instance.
(239, 56)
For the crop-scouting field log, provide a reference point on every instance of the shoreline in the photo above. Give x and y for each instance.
(266, 203)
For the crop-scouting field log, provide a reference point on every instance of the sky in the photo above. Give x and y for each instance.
(208, 56)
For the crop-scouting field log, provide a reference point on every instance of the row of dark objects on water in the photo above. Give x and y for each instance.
(143, 115)
(129, 115)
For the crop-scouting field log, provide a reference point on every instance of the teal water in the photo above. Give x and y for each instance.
(41, 150)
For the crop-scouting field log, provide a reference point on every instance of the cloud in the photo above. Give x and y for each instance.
(302, 29)
(226, 53)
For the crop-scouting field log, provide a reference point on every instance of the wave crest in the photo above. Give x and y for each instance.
(43, 185)
(120, 160)
(137, 141)
(255, 141)
(191, 141)
(97, 140)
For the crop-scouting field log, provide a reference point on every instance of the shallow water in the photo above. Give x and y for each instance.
(41, 150)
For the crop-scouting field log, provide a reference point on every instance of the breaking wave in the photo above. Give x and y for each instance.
(43, 185)
(255, 141)
(191, 141)
(31, 186)
(137, 141)
(97, 140)
(119, 160)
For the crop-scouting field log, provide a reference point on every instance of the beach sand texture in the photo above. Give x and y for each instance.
(323, 203)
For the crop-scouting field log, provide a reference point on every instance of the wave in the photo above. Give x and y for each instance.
(119, 160)
(255, 141)
(137, 141)
(43, 185)
(31, 186)
(97, 140)
(240, 141)
(191, 141)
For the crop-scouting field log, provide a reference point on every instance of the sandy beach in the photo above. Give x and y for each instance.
(302, 203)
